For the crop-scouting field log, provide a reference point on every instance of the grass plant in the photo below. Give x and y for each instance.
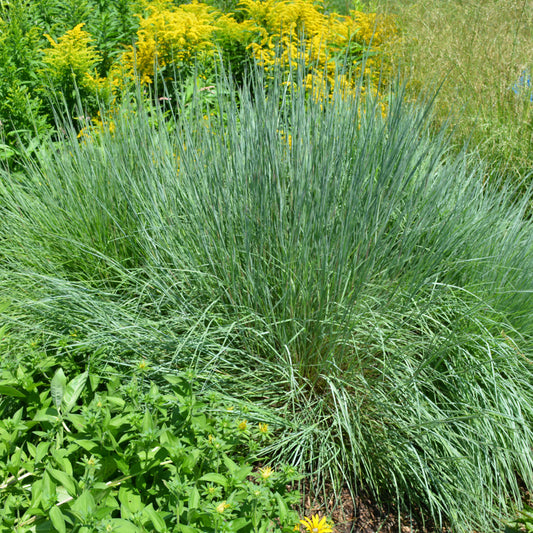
(479, 51)
(336, 266)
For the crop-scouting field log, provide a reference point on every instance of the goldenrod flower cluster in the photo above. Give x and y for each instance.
(71, 62)
(275, 33)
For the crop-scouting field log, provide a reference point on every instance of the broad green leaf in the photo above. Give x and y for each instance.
(94, 380)
(148, 423)
(64, 479)
(72, 392)
(36, 492)
(188, 529)
(194, 499)
(231, 465)
(17, 417)
(173, 380)
(56, 517)
(84, 505)
(32, 449)
(129, 500)
(282, 507)
(264, 526)
(238, 523)
(88, 445)
(48, 488)
(62, 461)
(46, 415)
(57, 387)
(78, 421)
(212, 477)
(8, 390)
(242, 473)
(42, 451)
(120, 525)
(155, 517)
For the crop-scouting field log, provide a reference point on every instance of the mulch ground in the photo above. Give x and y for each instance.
(362, 515)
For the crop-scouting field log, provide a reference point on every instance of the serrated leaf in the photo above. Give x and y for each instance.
(72, 392)
(213, 477)
(57, 387)
(57, 519)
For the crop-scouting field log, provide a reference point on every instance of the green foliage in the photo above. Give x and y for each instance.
(523, 523)
(22, 114)
(88, 453)
(454, 45)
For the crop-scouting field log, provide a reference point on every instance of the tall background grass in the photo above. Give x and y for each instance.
(479, 55)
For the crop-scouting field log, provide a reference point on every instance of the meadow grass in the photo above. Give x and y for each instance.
(342, 271)
(479, 52)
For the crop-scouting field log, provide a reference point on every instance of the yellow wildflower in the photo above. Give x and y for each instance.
(266, 472)
(243, 424)
(221, 507)
(315, 524)
(263, 428)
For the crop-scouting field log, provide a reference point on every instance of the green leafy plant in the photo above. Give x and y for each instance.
(523, 523)
(87, 454)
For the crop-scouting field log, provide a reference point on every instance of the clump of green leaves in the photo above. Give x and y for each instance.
(83, 453)
(523, 522)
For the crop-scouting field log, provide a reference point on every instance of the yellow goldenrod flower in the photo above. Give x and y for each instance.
(315, 524)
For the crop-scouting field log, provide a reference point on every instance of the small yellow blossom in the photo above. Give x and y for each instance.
(243, 424)
(315, 524)
(221, 507)
(266, 472)
(263, 428)
(142, 365)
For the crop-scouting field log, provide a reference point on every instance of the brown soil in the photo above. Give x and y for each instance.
(363, 515)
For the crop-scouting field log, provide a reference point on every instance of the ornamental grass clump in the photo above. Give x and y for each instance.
(334, 267)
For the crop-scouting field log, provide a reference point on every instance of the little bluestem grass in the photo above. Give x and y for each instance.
(333, 264)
